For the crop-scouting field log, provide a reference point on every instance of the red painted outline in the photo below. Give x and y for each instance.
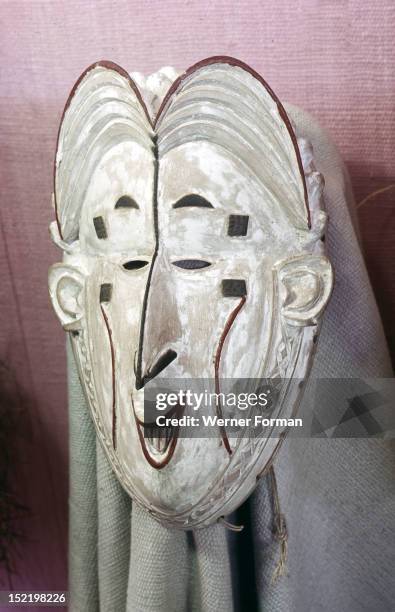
(158, 465)
(114, 415)
(217, 363)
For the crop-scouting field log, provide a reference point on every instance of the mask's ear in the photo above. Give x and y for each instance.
(66, 285)
(304, 285)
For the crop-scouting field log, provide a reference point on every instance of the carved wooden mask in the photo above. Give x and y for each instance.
(192, 248)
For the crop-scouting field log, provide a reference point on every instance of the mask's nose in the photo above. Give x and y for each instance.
(164, 360)
(160, 327)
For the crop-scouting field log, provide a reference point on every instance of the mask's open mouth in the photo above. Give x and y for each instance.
(158, 443)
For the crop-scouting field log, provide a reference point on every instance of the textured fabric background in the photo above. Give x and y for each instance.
(334, 58)
(337, 495)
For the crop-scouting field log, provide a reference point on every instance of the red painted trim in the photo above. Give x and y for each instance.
(114, 415)
(217, 363)
(158, 465)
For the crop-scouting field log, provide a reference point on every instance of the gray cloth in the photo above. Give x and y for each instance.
(336, 494)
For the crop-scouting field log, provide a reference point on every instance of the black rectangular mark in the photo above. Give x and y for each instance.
(105, 292)
(233, 287)
(100, 227)
(238, 225)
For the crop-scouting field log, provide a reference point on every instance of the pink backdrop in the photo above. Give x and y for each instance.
(333, 58)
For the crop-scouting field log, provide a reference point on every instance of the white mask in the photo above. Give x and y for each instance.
(192, 249)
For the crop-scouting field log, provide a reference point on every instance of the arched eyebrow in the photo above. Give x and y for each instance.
(126, 202)
(192, 200)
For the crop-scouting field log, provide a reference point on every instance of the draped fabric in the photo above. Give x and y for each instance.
(335, 494)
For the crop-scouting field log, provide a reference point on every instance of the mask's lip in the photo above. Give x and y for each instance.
(169, 448)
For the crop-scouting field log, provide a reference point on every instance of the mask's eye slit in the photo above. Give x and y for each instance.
(135, 264)
(192, 201)
(126, 202)
(191, 264)
(233, 287)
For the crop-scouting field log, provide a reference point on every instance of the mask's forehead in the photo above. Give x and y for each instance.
(207, 169)
(232, 218)
(117, 212)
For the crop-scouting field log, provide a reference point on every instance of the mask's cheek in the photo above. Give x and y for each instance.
(114, 299)
(199, 307)
(247, 346)
(234, 330)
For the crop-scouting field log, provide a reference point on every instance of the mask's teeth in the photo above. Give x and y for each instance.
(158, 437)
(147, 432)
